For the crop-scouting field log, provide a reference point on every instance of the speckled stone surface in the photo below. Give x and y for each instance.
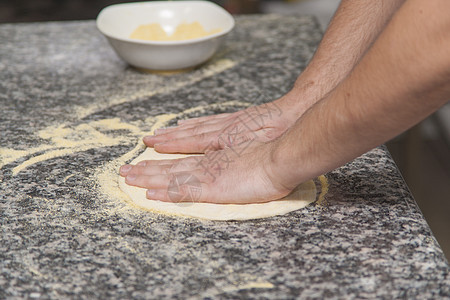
(62, 237)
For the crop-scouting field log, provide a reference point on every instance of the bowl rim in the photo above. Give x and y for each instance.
(170, 3)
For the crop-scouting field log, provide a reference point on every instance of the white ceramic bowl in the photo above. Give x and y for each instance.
(118, 21)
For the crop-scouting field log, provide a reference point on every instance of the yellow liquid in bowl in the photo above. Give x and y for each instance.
(184, 31)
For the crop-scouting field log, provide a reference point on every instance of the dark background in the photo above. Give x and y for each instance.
(12, 11)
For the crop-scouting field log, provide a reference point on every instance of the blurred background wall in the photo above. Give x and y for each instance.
(422, 153)
(52, 10)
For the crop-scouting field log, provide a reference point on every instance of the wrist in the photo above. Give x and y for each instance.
(279, 166)
(303, 95)
(292, 105)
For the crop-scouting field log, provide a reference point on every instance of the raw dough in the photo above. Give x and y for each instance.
(184, 31)
(303, 195)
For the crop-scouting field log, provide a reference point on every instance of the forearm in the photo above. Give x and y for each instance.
(354, 27)
(403, 78)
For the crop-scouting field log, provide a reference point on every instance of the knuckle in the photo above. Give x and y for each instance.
(202, 136)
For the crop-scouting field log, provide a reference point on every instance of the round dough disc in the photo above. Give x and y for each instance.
(301, 196)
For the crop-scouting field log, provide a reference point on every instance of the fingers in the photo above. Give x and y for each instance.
(148, 181)
(157, 194)
(203, 126)
(215, 140)
(139, 170)
(164, 135)
(183, 184)
(204, 119)
(192, 127)
(200, 139)
(183, 194)
(191, 144)
(155, 167)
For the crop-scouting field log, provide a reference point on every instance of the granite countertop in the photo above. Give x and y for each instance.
(72, 111)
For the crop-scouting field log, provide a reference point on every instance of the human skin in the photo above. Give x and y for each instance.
(352, 30)
(401, 79)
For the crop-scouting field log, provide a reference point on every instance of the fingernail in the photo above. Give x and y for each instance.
(131, 177)
(148, 138)
(125, 168)
(142, 163)
(159, 131)
(158, 145)
(151, 193)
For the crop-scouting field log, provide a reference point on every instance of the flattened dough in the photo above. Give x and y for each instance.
(303, 195)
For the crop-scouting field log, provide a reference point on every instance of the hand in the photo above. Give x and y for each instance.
(263, 123)
(233, 175)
